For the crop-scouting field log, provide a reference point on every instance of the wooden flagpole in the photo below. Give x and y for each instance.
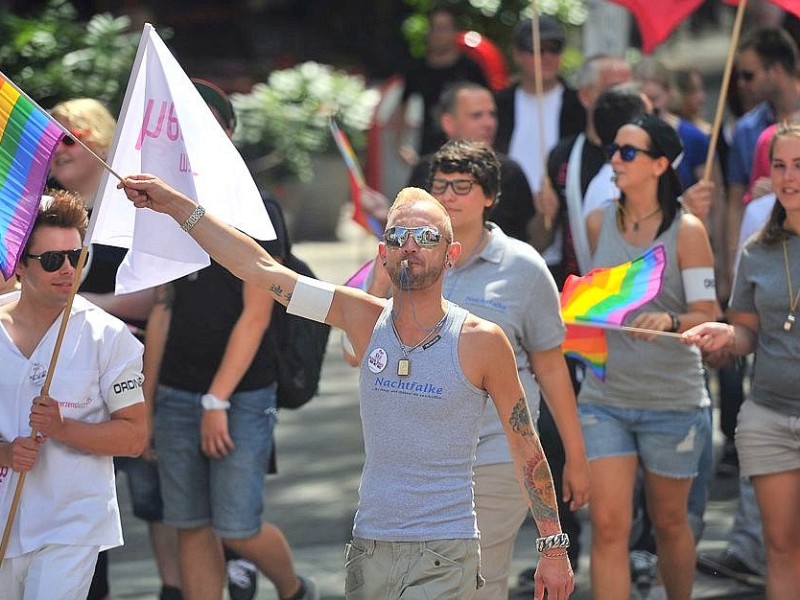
(12, 513)
(539, 87)
(723, 92)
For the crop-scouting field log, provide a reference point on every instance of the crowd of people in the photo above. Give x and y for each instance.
(457, 338)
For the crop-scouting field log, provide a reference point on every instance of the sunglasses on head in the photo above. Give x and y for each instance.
(461, 187)
(747, 76)
(52, 260)
(426, 236)
(627, 152)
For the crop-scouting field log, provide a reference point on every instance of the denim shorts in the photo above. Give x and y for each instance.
(144, 487)
(668, 442)
(225, 493)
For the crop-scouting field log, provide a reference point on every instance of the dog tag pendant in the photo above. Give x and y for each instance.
(787, 324)
(403, 367)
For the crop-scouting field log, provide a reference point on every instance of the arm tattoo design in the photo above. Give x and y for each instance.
(278, 292)
(520, 419)
(539, 485)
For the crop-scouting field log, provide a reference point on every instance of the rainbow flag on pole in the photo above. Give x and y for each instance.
(356, 177)
(28, 138)
(602, 299)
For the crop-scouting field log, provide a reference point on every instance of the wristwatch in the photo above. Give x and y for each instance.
(211, 402)
(676, 322)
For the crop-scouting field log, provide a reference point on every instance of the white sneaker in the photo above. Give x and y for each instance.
(312, 593)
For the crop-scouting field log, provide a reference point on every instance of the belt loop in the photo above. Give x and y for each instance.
(370, 544)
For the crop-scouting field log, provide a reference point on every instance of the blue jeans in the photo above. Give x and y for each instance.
(144, 487)
(225, 493)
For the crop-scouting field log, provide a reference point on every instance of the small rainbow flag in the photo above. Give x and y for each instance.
(357, 181)
(28, 138)
(603, 298)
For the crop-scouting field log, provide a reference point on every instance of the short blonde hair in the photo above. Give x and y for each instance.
(91, 118)
(411, 196)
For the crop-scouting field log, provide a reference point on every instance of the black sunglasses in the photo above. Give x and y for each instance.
(426, 236)
(627, 152)
(461, 187)
(52, 260)
(747, 76)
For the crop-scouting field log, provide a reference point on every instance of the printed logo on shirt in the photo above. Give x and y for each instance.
(127, 385)
(413, 388)
(376, 361)
(75, 403)
(492, 303)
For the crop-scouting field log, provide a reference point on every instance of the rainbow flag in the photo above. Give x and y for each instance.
(356, 177)
(361, 276)
(28, 138)
(603, 298)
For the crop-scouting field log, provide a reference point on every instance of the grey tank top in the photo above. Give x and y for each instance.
(420, 436)
(660, 375)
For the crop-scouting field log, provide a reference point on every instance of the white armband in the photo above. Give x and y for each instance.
(699, 284)
(311, 299)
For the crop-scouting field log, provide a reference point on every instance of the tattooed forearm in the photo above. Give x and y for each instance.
(279, 293)
(520, 419)
(539, 485)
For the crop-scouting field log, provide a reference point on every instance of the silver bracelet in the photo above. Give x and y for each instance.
(196, 215)
(557, 540)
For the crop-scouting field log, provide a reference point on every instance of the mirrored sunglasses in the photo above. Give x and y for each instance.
(52, 260)
(627, 152)
(461, 187)
(426, 236)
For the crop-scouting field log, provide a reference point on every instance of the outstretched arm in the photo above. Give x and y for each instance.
(351, 310)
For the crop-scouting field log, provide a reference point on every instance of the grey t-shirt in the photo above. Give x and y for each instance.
(508, 283)
(761, 287)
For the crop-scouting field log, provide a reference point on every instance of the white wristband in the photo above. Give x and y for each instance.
(699, 284)
(311, 299)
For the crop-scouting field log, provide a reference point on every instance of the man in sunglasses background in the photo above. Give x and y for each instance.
(95, 410)
(520, 125)
(427, 367)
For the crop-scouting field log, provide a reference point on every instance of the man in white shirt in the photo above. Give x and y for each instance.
(94, 410)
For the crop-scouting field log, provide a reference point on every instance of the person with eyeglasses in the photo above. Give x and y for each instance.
(75, 169)
(427, 367)
(507, 282)
(94, 410)
(652, 407)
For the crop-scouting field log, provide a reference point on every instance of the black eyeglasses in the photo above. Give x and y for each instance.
(52, 260)
(461, 187)
(426, 236)
(627, 152)
(746, 76)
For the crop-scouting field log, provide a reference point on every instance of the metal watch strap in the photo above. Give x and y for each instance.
(196, 215)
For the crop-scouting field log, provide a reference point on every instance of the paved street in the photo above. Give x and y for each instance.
(320, 455)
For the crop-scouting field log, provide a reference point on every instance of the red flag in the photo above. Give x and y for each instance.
(657, 18)
(791, 6)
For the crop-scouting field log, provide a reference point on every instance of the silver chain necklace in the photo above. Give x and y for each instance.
(404, 364)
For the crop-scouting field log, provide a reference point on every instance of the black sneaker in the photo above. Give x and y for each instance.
(729, 462)
(728, 566)
(242, 576)
(643, 569)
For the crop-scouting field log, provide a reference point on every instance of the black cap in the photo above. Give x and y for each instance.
(663, 137)
(216, 98)
(549, 29)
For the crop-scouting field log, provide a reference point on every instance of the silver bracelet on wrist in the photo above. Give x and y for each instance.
(557, 540)
(196, 215)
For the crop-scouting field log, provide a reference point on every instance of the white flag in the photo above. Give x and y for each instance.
(166, 128)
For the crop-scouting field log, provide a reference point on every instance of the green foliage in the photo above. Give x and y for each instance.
(285, 120)
(53, 57)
